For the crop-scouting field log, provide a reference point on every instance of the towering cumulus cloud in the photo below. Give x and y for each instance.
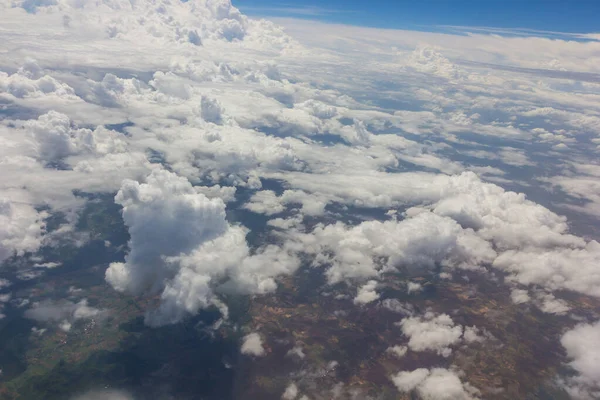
(181, 243)
(192, 23)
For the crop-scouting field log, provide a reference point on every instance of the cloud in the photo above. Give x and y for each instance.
(265, 202)
(166, 217)
(385, 164)
(21, 228)
(253, 345)
(583, 349)
(56, 138)
(367, 294)
(434, 384)
(182, 245)
(206, 21)
(63, 312)
(104, 395)
(519, 296)
(431, 332)
(559, 268)
(551, 305)
(398, 351)
(414, 287)
(28, 82)
(291, 392)
(268, 203)
(420, 241)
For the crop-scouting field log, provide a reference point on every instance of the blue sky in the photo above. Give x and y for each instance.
(549, 15)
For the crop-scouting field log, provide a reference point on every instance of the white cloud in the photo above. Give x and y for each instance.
(434, 384)
(519, 296)
(253, 345)
(471, 335)
(367, 294)
(166, 217)
(397, 306)
(21, 228)
(104, 395)
(64, 312)
(227, 101)
(29, 82)
(291, 392)
(265, 202)
(551, 305)
(431, 332)
(398, 351)
(559, 268)
(414, 287)
(56, 138)
(582, 344)
(268, 203)
(296, 351)
(182, 245)
(407, 243)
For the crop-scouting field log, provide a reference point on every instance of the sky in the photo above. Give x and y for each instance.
(577, 16)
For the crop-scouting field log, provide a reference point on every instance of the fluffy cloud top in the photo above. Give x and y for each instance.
(182, 245)
(420, 241)
(431, 332)
(434, 384)
(104, 395)
(190, 23)
(582, 344)
(291, 392)
(367, 294)
(21, 228)
(166, 217)
(253, 345)
(55, 138)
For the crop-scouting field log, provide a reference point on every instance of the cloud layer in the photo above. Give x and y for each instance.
(363, 152)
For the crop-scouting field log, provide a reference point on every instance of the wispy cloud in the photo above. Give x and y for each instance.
(291, 10)
(520, 32)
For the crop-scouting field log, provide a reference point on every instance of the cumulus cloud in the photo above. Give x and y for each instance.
(414, 287)
(551, 305)
(431, 332)
(29, 82)
(582, 346)
(420, 241)
(434, 384)
(182, 245)
(56, 138)
(104, 395)
(398, 351)
(21, 228)
(291, 392)
(367, 294)
(268, 203)
(519, 296)
(559, 268)
(253, 345)
(474, 224)
(296, 351)
(190, 24)
(166, 217)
